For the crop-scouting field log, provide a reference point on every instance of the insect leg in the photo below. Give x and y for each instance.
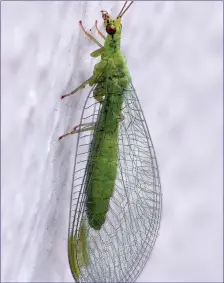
(89, 35)
(78, 88)
(79, 129)
(100, 33)
(84, 127)
(97, 52)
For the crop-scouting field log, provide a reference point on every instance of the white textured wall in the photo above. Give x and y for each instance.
(174, 52)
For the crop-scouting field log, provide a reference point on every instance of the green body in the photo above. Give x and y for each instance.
(111, 77)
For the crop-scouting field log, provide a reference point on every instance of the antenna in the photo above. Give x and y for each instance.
(122, 10)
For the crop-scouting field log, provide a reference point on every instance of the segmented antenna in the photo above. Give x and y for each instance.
(122, 10)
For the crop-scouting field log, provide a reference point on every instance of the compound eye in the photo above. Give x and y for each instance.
(111, 29)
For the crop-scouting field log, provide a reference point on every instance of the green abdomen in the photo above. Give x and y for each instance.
(103, 162)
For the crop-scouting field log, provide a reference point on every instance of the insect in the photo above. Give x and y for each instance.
(115, 211)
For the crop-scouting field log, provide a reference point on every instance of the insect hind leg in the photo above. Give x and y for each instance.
(80, 128)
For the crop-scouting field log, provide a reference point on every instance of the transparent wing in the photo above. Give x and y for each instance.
(119, 251)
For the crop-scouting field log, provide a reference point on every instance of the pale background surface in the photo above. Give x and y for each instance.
(174, 52)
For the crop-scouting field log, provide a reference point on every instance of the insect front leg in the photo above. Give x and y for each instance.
(78, 129)
(89, 35)
(100, 33)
